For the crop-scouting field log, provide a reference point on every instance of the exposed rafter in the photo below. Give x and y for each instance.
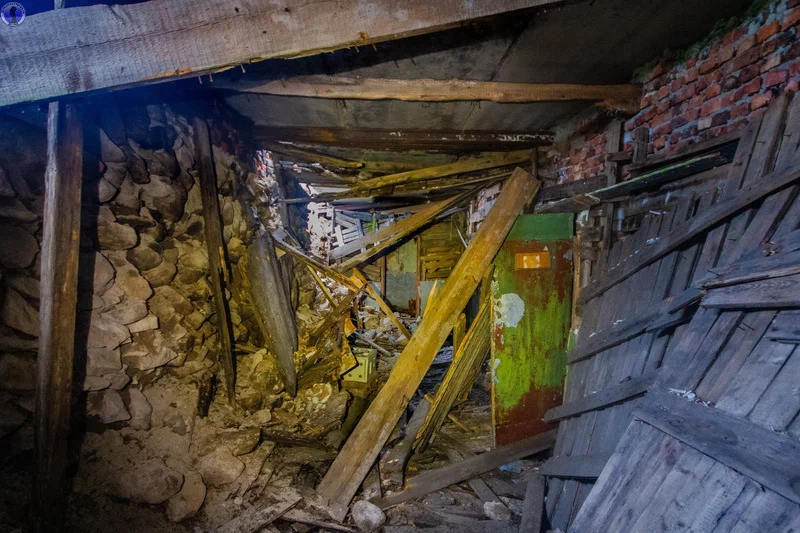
(623, 97)
(460, 141)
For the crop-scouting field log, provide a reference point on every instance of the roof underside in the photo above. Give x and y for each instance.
(590, 42)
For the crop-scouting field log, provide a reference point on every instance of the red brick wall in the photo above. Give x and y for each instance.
(722, 88)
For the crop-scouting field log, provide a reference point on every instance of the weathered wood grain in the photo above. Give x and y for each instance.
(599, 400)
(575, 466)
(57, 313)
(80, 49)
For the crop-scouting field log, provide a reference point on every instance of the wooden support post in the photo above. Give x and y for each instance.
(216, 249)
(359, 452)
(533, 508)
(57, 312)
(324, 288)
(382, 304)
(274, 312)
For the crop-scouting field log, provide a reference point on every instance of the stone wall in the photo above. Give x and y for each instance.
(715, 87)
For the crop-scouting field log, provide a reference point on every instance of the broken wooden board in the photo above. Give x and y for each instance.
(372, 293)
(57, 311)
(351, 466)
(445, 476)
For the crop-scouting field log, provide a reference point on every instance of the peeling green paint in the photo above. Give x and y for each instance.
(529, 352)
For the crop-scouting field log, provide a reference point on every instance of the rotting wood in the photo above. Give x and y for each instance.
(458, 141)
(471, 353)
(575, 466)
(268, 293)
(390, 235)
(599, 400)
(695, 226)
(339, 312)
(393, 463)
(321, 284)
(650, 180)
(616, 97)
(348, 470)
(372, 293)
(768, 458)
(257, 518)
(69, 51)
(57, 312)
(295, 152)
(550, 193)
(216, 250)
(665, 158)
(769, 293)
(445, 476)
(533, 506)
(423, 174)
(457, 452)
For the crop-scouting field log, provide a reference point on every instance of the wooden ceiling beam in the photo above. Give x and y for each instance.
(79, 49)
(397, 140)
(624, 97)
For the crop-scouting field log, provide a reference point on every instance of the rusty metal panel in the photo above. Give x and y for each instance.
(531, 313)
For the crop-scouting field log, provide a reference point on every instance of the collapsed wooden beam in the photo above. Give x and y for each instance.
(460, 141)
(71, 51)
(216, 250)
(372, 293)
(261, 275)
(390, 235)
(625, 96)
(57, 312)
(360, 451)
(445, 476)
(470, 354)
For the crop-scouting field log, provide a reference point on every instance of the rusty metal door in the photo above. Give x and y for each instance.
(531, 313)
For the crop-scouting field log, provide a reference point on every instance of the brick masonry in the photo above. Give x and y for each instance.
(723, 88)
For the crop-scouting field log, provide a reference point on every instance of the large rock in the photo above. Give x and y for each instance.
(19, 314)
(100, 268)
(128, 277)
(17, 373)
(128, 311)
(6, 190)
(16, 211)
(112, 235)
(190, 498)
(236, 441)
(162, 275)
(147, 351)
(174, 299)
(103, 332)
(12, 416)
(106, 406)
(148, 323)
(173, 405)
(367, 516)
(146, 256)
(138, 407)
(102, 361)
(18, 248)
(159, 162)
(194, 259)
(110, 152)
(220, 467)
(496, 511)
(25, 285)
(147, 481)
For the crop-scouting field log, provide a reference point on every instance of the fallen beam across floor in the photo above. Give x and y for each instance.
(448, 475)
(625, 96)
(79, 49)
(362, 448)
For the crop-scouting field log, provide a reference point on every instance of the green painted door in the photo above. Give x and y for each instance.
(531, 313)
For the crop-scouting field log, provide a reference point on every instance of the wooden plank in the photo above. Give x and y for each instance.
(600, 400)
(457, 141)
(575, 466)
(216, 250)
(359, 452)
(691, 228)
(572, 188)
(72, 50)
(768, 458)
(338, 277)
(707, 145)
(769, 293)
(57, 314)
(758, 269)
(262, 278)
(295, 153)
(257, 518)
(469, 355)
(624, 96)
(366, 187)
(382, 304)
(445, 476)
(533, 505)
